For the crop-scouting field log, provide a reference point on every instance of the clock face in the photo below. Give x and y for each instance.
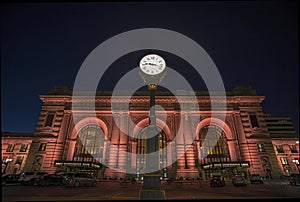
(152, 64)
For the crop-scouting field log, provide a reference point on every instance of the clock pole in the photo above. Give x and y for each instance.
(152, 189)
(152, 133)
(152, 117)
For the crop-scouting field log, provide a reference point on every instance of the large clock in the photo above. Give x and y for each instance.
(152, 64)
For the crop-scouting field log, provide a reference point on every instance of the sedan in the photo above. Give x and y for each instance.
(217, 181)
(239, 180)
(79, 179)
(10, 179)
(256, 178)
(294, 179)
(51, 180)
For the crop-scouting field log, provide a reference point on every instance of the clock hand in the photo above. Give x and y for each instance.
(152, 64)
(149, 64)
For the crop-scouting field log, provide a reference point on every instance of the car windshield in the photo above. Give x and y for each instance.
(255, 175)
(68, 174)
(42, 173)
(295, 175)
(28, 173)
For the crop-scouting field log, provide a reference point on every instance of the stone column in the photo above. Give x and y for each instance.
(189, 149)
(122, 155)
(104, 154)
(71, 149)
(63, 129)
(232, 150)
(180, 143)
(133, 154)
(169, 153)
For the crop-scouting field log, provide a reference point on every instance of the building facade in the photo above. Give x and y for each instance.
(15, 149)
(95, 143)
(285, 143)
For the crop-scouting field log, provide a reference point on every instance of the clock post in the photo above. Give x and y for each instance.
(152, 70)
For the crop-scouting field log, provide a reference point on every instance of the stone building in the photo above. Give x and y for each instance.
(15, 149)
(285, 142)
(95, 143)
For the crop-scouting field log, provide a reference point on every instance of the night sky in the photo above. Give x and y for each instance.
(44, 44)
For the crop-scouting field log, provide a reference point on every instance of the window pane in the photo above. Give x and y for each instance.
(279, 149)
(293, 149)
(213, 145)
(254, 121)
(49, 120)
(42, 147)
(10, 148)
(89, 145)
(283, 160)
(261, 148)
(141, 149)
(23, 147)
(19, 160)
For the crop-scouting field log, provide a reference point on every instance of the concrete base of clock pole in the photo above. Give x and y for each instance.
(152, 189)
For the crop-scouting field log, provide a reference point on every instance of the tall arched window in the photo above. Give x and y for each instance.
(89, 145)
(141, 149)
(213, 145)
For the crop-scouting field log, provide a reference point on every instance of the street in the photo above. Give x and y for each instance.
(112, 190)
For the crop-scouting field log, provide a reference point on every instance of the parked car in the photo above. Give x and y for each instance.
(239, 180)
(10, 179)
(256, 179)
(51, 180)
(217, 181)
(294, 179)
(31, 177)
(78, 179)
(66, 177)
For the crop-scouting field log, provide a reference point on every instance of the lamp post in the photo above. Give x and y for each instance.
(152, 70)
(6, 162)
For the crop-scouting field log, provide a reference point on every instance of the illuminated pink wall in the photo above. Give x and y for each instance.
(241, 138)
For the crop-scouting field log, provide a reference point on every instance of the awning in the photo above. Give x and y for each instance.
(224, 165)
(78, 164)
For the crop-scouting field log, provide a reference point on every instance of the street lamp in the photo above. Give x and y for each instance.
(6, 162)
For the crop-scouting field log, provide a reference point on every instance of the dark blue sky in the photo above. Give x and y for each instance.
(44, 44)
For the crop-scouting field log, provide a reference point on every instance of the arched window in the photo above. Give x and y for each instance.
(141, 149)
(213, 145)
(89, 145)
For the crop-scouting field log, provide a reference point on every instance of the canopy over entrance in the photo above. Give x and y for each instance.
(80, 165)
(224, 165)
